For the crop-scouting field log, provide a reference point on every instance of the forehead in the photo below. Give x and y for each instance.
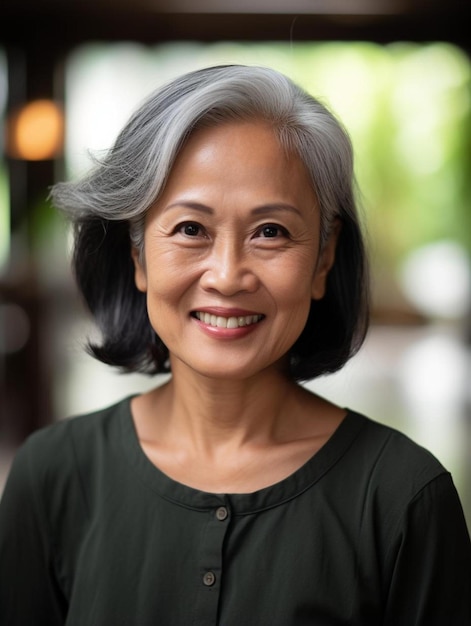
(236, 133)
(233, 170)
(243, 152)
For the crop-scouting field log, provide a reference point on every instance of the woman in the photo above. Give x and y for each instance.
(219, 240)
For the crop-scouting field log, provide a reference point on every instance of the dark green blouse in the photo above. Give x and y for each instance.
(370, 531)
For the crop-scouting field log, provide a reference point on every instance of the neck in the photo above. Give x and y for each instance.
(232, 436)
(215, 413)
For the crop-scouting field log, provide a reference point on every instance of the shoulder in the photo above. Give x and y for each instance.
(389, 445)
(392, 466)
(100, 423)
(50, 455)
(392, 487)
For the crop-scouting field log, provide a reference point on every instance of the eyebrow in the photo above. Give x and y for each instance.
(275, 207)
(197, 206)
(263, 209)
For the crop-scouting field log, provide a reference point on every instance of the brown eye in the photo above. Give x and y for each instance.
(190, 229)
(271, 231)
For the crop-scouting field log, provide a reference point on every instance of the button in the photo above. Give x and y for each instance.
(221, 513)
(209, 579)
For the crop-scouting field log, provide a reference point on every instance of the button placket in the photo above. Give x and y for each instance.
(211, 564)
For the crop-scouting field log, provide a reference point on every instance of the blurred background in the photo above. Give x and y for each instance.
(397, 73)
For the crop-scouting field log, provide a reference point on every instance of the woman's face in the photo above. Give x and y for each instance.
(231, 253)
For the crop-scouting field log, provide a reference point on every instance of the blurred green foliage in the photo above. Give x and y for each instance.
(407, 107)
(408, 110)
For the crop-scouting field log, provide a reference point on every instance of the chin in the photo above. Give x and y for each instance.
(236, 373)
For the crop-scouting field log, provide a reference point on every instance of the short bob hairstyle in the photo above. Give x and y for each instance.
(108, 208)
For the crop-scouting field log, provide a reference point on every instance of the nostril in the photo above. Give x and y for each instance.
(229, 279)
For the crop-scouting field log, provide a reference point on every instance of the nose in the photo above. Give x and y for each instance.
(229, 269)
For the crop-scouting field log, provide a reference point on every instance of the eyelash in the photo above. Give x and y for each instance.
(198, 230)
(182, 227)
(281, 230)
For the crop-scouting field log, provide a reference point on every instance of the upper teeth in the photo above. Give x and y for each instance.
(227, 322)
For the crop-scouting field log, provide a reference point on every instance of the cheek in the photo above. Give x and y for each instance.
(169, 280)
(293, 279)
(164, 268)
(294, 292)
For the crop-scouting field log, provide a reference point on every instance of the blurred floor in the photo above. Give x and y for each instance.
(415, 379)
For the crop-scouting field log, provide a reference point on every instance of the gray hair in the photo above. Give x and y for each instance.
(124, 184)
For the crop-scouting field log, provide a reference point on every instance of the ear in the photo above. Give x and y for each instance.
(325, 262)
(140, 276)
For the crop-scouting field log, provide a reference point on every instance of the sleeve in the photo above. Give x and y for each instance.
(28, 592)
(431, 568)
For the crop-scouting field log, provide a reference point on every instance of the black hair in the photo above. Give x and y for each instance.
(109, 205)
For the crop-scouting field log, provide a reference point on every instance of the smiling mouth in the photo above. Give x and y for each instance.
(218, 321)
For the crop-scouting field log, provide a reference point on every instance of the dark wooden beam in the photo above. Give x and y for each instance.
(53, 24)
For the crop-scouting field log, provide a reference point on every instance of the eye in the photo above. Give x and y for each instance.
(271, 231)
(190, 229)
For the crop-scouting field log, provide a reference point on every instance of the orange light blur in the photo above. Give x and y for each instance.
(36, 131)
